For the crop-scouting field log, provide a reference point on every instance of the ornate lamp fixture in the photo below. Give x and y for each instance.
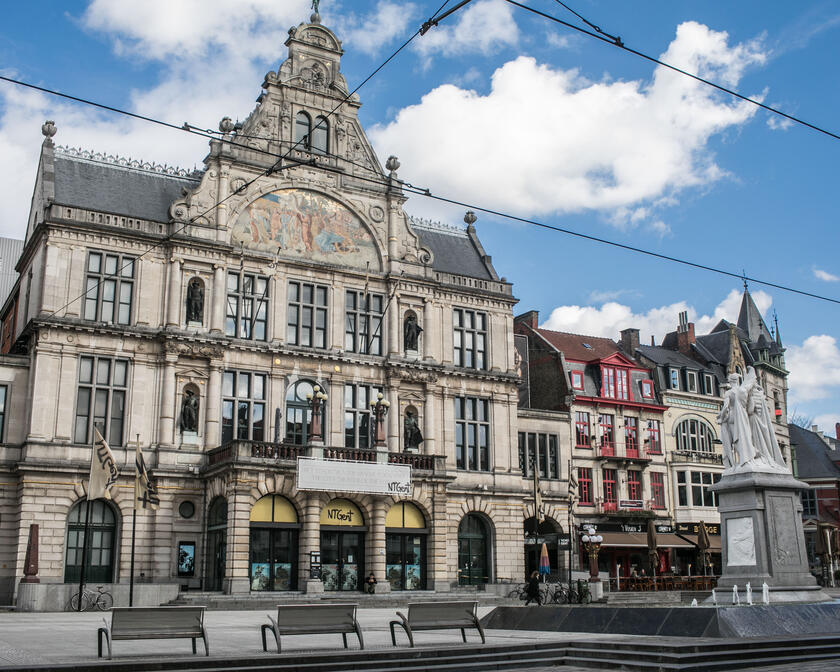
(592, 544)
(317, 398)
(379, 407)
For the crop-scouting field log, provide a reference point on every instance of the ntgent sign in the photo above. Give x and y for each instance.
(351, 476)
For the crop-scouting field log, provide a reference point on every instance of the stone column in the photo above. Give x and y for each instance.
(173, 301)
(310, 540)
(376, 546)
(429, 429)
(217, 323)
(238, 541)
(440, 578)
(394, 421)
(213, 406)
(394, 329)
(167, 403)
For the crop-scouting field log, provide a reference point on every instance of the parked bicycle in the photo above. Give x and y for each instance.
(100, 599)
(577, 593)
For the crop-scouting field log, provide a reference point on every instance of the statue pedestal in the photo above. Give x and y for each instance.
(198, 326)
(190, 439)
(761, 532)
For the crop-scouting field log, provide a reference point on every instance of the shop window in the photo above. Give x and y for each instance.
(307, 315)
(470, 338)
(585, 494)
(582, 439)
(246, 314)
(473, 551)
(273, 545)
(109, 287)
(472, 433)
(539, 449)
(100, 399)
(99, 566)
(342, 546)
(216, 543)
(243, 406)
(405, 547)
(363, 322)
(657, 490)
(358, 421)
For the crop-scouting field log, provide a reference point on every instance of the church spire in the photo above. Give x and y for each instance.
(776, 328)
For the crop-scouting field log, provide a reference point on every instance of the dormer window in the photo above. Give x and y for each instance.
(647, 389)
(675, 379)
(614, 383)
(303, 130)
(708, 383)
(691, 380)
(577, 380)
(321, 136)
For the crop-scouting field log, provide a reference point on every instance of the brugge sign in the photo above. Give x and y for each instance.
(351, 476)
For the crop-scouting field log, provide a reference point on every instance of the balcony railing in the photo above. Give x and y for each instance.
(622, 451)
(356, 454)
(697, 456)
(240, 449)
(621, 507)
(415, 460)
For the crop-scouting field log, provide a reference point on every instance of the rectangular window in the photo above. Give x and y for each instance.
(657, 490)
(243, 406)
(358, 420)
(608, 387)
(631, 436)
(472, 433)
(647, 389)
(708, 383)
(3, 393)
(607, 434)
(307, 315)
(577, 380)
(539, 449)
(610, 490)
(109, 286)
(582, 430)
(247, 306)
(809, 502)
(100, 399)
(701, 488)
(654, 446)
(585, 486)
(363, 322)
(675, 378)
(691, 380)
(682, 489)
(470, 338)
(634, 484)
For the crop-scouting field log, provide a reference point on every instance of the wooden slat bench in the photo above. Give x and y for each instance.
(154, 623)
(438, 616)
(313, 619)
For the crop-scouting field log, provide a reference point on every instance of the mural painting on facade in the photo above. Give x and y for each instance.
(302, 223)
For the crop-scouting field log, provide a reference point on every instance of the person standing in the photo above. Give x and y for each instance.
(533, 588)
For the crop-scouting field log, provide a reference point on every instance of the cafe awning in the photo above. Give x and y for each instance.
(623, 540)
(714, 542)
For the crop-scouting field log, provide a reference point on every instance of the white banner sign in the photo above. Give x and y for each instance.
(351, 476)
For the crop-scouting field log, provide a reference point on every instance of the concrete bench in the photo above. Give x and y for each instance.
(438, 616)
(154, 623)
(313, 619)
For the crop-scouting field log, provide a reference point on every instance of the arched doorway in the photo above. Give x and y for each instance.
(342, 545)
(473, 551)
(547, 532)
(405, 547)
(216, 543)
(273, 544)
(100, 552)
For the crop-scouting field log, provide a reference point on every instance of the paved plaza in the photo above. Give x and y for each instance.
(62, 637)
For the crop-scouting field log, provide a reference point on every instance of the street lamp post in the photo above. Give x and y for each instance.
(317, 398)
(379, 408)
(592, 543)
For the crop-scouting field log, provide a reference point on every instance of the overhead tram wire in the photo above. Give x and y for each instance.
(276, 166)
(617, 42)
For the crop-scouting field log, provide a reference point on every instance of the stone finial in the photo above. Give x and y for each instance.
(49, 129)
(316, 17)
(226, 125)
(470, 218)
(392, 164)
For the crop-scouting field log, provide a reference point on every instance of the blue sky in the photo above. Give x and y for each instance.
(503, 109)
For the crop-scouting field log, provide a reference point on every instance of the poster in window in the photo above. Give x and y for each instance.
(412, 577)
(520, 344)
(282, 575)
(260, 575)
(393, 573)
(186, 559)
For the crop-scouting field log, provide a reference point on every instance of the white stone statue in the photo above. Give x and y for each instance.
(736, 600)
(765, 593)
(714, 597)
(749, 594)
(694, 602)
(746, 430)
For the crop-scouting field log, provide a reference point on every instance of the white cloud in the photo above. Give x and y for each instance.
(592, 146)
(611, 317)
(370, 33)
(814, 368)
(819, 274)
(483, 27)
(827, 423)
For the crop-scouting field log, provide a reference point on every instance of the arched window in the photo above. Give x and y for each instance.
(273, 546)
(100, 551)
(303, 130)
(695, 435)
(298, 412)
(321, 136)
(216, 543)
(473, 550)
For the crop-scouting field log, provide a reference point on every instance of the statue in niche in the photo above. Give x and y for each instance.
(195, 301)
(189, 412)
(411, 431)
(749, 442)
(411, 332)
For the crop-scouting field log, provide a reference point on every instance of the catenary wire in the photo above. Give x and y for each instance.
(268, 171)
(617, 42)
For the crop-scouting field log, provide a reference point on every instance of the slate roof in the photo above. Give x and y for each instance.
(120, 190)
(751, 323)
(813, 457)
(452, 249)
(665, 357)
(572, 345)
(10, 249)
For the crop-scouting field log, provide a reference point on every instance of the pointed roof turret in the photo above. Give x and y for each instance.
(751, 322)
(776, 329)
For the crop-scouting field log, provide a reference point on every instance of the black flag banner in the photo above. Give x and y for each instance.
(145, 491)
(103, 469)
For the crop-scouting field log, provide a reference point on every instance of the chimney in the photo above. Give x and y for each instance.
(685, 334)
(531, 318)
(629, 341)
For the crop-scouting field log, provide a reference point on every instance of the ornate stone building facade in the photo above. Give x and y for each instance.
(195, 313)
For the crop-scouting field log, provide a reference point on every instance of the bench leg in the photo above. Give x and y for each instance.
(394, 637)
(359, 635)
(103, 633)
(344, 639)
(206, 643)
(480, 631)
(464, 635)
(193, 644)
